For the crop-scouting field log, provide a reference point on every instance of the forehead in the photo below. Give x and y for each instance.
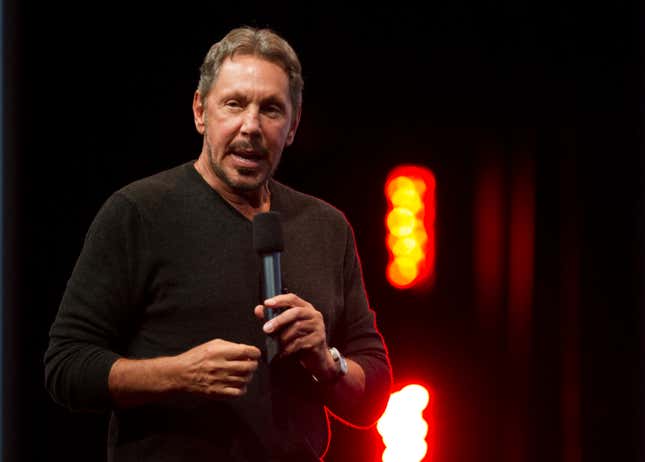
(243, 73)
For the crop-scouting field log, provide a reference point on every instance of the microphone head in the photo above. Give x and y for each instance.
(267, 233)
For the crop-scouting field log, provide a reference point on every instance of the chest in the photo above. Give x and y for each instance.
(205, 281)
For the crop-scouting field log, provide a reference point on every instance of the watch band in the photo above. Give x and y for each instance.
(341, 366)
(340, 361)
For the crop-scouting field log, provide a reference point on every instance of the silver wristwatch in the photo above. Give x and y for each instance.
(341, 366)
(340, 361)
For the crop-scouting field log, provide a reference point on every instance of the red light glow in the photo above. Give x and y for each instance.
(410, 192)
(402, 426)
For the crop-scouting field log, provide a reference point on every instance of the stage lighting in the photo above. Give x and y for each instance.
(403, 427)
(410, 193)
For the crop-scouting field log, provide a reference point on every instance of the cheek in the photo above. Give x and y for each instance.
(221, 130)
(279, 135)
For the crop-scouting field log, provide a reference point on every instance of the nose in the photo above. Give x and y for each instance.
(251, 122)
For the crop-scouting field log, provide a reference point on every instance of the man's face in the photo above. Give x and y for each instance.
(247, 120)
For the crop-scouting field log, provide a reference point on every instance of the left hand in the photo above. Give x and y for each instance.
(301, 331)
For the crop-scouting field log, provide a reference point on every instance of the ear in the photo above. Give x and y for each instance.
(294, 126)
(198, 113)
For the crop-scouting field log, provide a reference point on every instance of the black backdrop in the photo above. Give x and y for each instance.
(98, 95)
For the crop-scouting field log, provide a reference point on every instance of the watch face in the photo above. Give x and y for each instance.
(343, 366)
(340, 360)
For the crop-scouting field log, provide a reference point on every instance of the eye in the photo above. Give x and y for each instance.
(273, 110)
(233, 104)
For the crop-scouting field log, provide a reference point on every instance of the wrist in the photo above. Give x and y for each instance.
(335, 367)
(142, 381)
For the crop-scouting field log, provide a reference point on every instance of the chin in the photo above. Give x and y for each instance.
(246, 187)
(248, 184)
(240, 180)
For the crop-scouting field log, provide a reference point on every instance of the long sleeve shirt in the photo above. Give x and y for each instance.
(167, 265)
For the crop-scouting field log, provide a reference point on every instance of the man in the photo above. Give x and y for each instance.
(158, 321)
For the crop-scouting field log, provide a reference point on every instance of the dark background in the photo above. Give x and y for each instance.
(528, 115)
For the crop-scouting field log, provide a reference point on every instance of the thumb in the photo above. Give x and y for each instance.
(259, 311)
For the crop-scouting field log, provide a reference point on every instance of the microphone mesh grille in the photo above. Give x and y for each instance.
(267, 233)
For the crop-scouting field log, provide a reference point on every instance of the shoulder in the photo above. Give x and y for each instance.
(157, 187)
(161, 191)
(148, 198)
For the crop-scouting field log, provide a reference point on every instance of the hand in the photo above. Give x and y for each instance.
(217, 368)
(301, 332)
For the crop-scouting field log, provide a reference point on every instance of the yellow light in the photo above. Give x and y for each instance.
(400, 182)
(407, 267)
(420, 186)
(399, 277)
(409, 222)
(408, 247)
(407, 198)
(420, 236)
(401, 222)
(391, 240)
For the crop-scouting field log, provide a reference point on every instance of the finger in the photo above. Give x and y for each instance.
(298, 345)
(259, 311)
(241, 368)
(252, 353)
(236, 380)
(285, 300)
(299, 329)
(291, 348)
(307, 336)
(285, 318)
(239, 351)
(230, 391)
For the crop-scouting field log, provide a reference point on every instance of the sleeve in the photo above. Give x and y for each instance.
(359, 339)
(96, 309)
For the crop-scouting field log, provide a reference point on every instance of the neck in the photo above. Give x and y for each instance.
(248, 203)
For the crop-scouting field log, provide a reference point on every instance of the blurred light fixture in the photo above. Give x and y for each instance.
(410, 193)
(403, 427)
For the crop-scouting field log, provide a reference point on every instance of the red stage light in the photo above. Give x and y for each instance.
(410, 192)
(402, 426)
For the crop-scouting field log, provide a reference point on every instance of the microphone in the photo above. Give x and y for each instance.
(268, 243)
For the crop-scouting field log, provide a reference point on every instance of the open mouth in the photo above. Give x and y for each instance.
(247, 159)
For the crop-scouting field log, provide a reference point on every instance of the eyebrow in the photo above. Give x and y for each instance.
(272, 99)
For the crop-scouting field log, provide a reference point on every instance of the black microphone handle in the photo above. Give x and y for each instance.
(271, 286)
(272, 280)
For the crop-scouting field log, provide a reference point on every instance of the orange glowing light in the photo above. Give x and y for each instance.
(410, 225)
(402, 426)
(401, 222)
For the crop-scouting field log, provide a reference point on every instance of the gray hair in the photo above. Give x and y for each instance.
(263, 43)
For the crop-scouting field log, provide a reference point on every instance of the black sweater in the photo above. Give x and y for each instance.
(167, 265)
